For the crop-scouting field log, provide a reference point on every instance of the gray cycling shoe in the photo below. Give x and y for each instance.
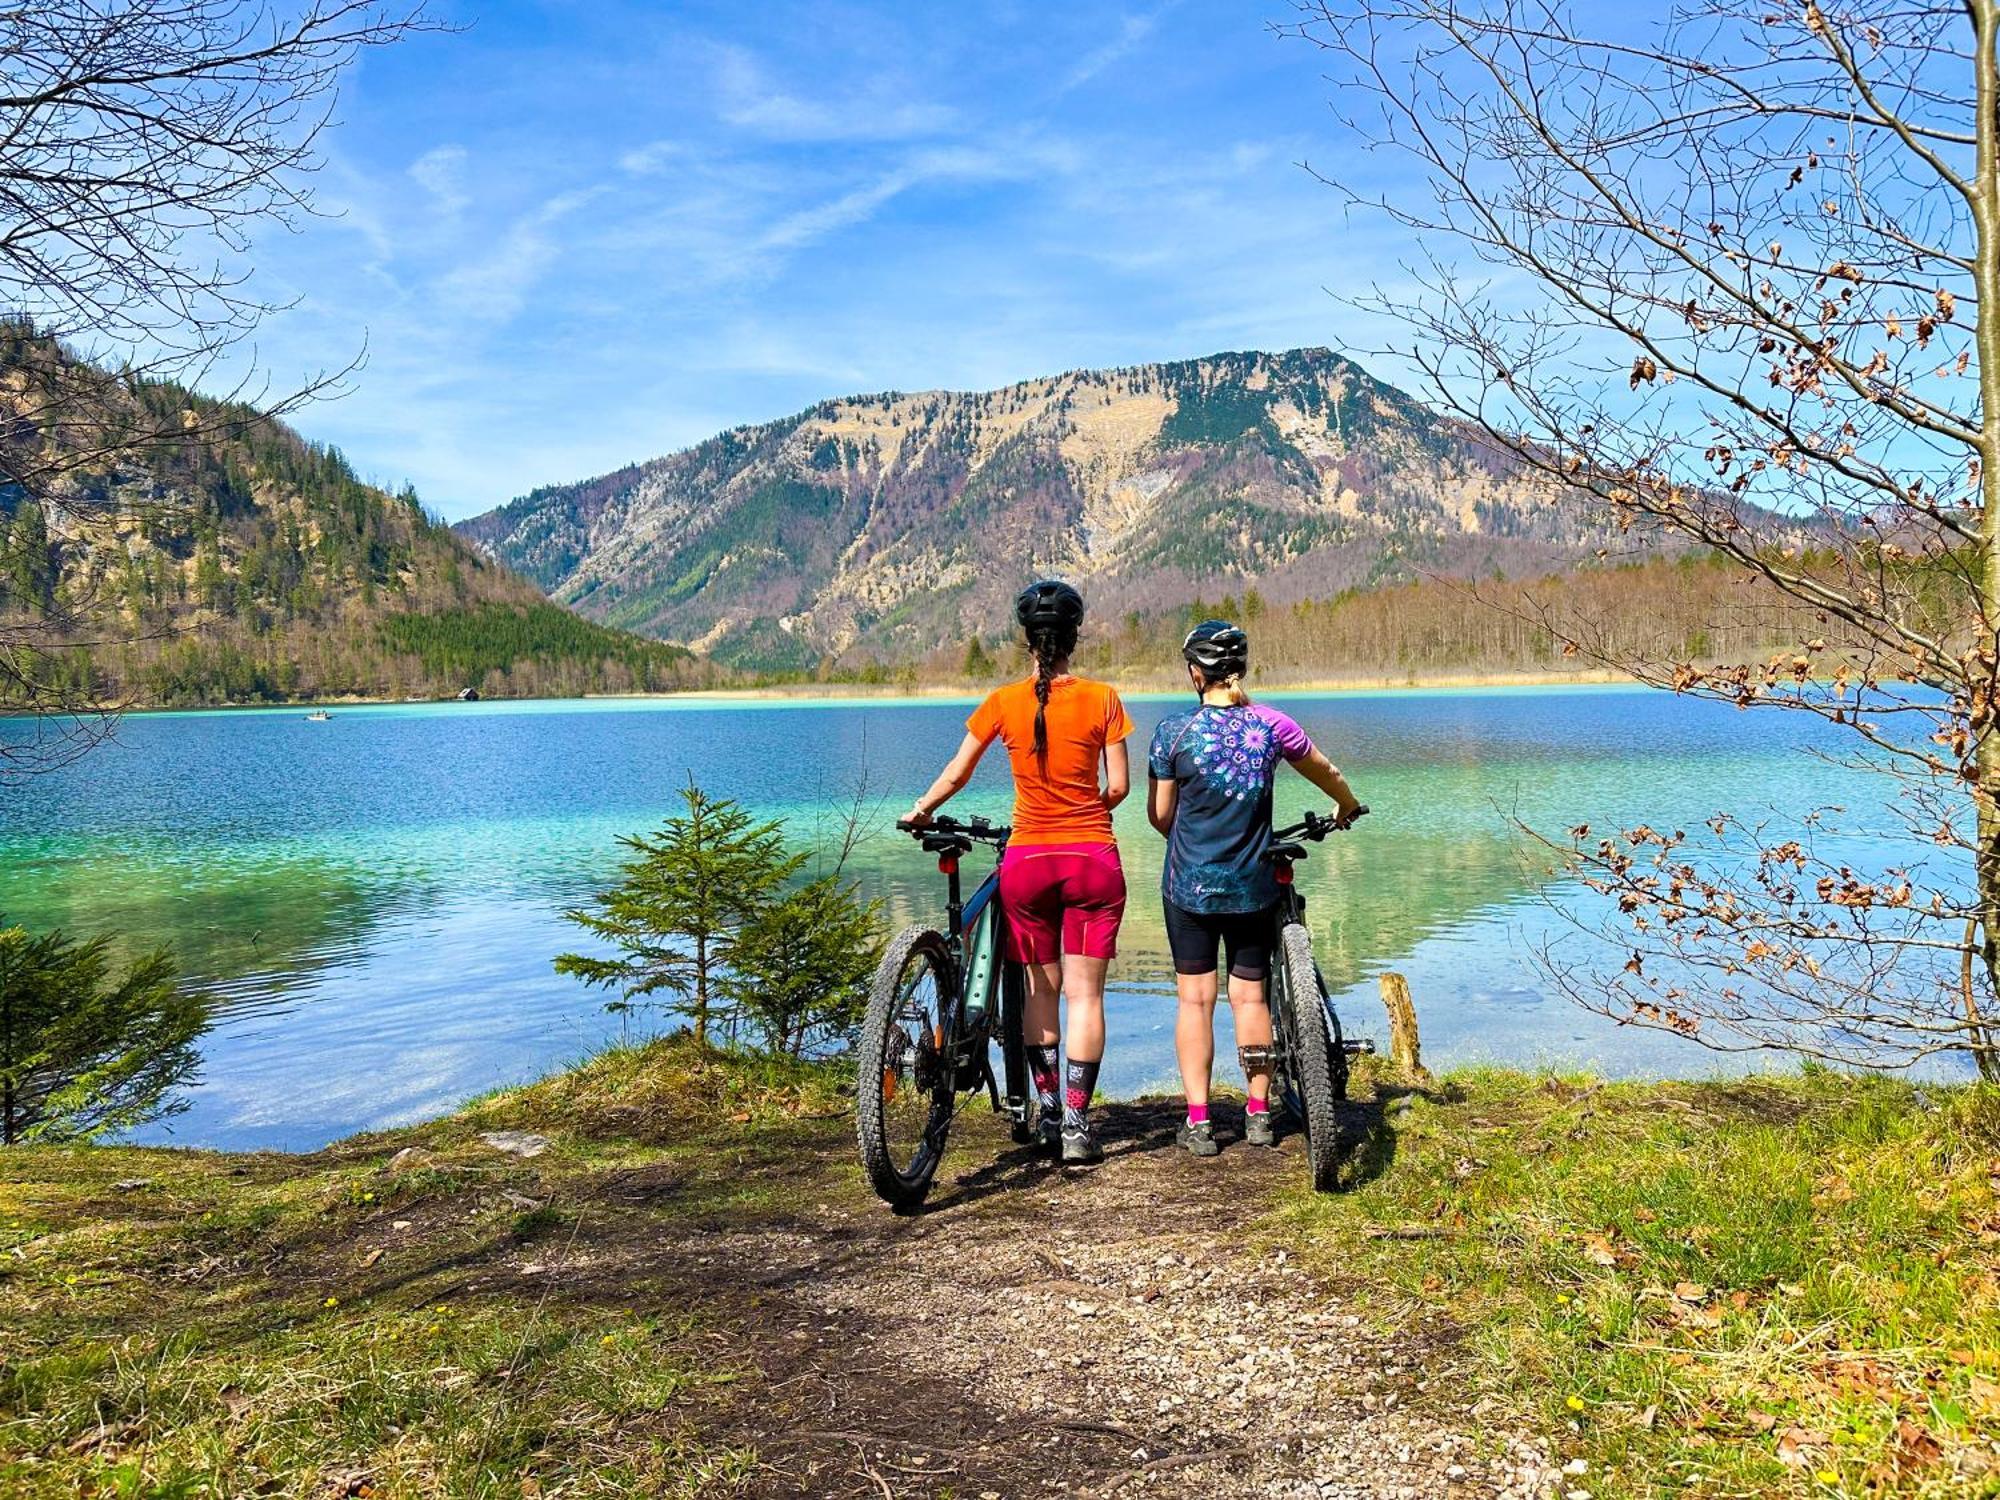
(1198, 1139)
(1080, 1148)
(1258, 1129)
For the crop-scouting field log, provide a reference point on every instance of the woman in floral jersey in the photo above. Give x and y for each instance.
(1212, 770)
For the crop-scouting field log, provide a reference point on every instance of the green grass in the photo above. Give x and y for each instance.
(1781, 1287)
(1731, 1289)
(466, 1324)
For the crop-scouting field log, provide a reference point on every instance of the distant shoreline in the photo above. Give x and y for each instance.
(1166, 687)
(859, 691)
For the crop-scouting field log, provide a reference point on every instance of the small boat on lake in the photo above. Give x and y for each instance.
(318, 716)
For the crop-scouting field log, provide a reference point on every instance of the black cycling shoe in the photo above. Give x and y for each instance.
(1198, 1139)
(1080, 1148)
(1048, 1133)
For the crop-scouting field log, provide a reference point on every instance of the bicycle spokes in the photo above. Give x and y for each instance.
(915, 1068)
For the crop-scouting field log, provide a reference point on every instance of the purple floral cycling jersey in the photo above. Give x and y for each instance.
(1224, 760)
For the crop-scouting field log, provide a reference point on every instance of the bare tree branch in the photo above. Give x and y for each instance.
(1745, 292)
(143, 146)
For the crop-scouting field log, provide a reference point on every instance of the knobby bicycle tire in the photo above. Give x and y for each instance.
(885, 1062)
(1310, 1053)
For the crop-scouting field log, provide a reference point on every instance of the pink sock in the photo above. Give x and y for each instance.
(1258, 1106)
(1197, 1114)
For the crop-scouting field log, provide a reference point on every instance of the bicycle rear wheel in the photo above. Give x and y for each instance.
(1013, 1052)
(904, 1088)
(1309, 1086)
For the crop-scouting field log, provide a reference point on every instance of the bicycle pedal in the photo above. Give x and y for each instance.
(1358, 1046)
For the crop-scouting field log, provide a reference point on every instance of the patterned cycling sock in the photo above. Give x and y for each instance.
(1079, 1083)
(1258, 1106)
(1042, 1069)
(1197, 1114)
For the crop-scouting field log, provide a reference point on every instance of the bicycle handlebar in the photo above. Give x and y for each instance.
(977, 828)
(1317, 826)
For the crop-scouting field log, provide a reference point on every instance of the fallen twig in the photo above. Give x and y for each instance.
(898, 1441)
(1409, 1232)
(1112, 1428)
(1171, 1461)
(868, 1469)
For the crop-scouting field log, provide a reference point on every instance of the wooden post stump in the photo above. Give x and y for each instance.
(1405, 1049)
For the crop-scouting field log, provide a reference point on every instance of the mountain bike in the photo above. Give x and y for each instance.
(938, 1002)
(1309, 1067)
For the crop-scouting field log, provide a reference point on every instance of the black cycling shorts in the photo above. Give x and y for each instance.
(1246, 936)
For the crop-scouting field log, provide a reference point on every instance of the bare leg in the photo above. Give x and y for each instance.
(1194, 1033)
(1252, 1015)
(1039, 1015)
(1083, 983)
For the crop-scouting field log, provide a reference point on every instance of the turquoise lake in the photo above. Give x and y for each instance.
(374, 901)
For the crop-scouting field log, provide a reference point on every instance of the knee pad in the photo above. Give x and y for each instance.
(1254, 1059)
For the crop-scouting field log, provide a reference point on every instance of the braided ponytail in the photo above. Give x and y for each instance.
(1049, 645)
(1230, 683)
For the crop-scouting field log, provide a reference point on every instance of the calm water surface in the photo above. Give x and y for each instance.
(375, 900)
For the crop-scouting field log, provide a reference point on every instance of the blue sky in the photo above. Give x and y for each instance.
(574, 235)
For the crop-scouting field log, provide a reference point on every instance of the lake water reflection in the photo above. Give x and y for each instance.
(376, 899)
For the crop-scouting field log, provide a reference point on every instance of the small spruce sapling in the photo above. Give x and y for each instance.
(680, 910)
(802, 964)
(86, 1051)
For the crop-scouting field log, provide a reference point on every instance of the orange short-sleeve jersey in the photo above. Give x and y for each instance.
(1056, 803)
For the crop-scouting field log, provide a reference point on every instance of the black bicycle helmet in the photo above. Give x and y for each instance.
(1051, 602)
(1219, 648)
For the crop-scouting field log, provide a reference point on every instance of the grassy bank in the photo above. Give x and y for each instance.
(1770, 1288)
(186, 1323)
(1736, 1289)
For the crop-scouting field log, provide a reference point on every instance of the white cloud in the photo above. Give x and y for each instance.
(750, 101)
(802, 228)
(494, 287)
(1132, 30)
(441, 173)
(653, 157)
(940, 164)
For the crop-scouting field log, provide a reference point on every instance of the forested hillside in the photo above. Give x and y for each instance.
(239, 562)
(1691, 606)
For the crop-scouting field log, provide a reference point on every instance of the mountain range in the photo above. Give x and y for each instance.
(884, 527)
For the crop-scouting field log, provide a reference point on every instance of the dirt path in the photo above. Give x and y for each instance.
(1100, 1332)
(618, 1282)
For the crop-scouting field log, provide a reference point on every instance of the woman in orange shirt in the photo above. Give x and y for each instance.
(1061, 884)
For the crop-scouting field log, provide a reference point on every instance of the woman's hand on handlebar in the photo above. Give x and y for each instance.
(1348, 812)
(917, 817)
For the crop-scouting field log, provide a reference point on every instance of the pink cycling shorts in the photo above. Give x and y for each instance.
(1062, 898)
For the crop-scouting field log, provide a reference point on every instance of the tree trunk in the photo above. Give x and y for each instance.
(1405, 1047)
(1986, 277)
(701, 988)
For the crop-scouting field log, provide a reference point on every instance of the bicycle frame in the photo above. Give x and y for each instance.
(1287, 852)
(1291, 905)
(976, 934)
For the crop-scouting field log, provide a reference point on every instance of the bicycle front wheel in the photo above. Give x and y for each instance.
(1310, 1090)
(904, 1089)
